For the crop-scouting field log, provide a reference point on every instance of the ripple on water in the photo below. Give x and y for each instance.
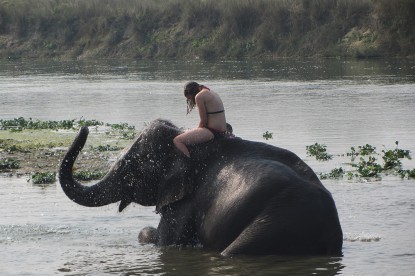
(124, 259)
(28, 232)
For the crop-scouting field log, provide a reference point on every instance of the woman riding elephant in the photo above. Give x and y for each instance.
(212, 117)
(237, 197)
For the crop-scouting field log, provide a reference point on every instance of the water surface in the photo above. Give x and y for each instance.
(338, 103)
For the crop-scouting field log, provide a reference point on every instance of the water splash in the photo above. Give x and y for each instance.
(362, 237)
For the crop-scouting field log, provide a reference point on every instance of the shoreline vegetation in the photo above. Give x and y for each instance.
(34, 149)
(206, 29)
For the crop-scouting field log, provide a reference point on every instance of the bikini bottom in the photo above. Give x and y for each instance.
(217, 133)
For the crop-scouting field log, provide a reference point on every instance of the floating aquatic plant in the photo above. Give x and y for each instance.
(43, 177)
(88, 123)
(367, 149)
(122, 130)
(106, 148)
(368, 165)
(319, 151)
(410, 173)
(267, 135)
(336, 173)
(121, 126)
(9, 164)
(88, 175)
(364, 150)
(368, 168)
(392, 158)
(18, 124)
(127, 131)
(128, 135)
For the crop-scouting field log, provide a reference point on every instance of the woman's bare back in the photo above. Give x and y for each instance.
(212, 110)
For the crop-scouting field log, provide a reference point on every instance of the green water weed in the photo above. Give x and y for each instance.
(410, 173)
(43, 177)
(367, 150)
(368, 168)
(319, 151)
(267, 135)
(364, 150)
(88, 175)
(125, 130)
(89, 123)
(9, 164)
(103, 148)
(336, 173)
(20, 123)
(392, 158)
(121, 126)
(407, 173)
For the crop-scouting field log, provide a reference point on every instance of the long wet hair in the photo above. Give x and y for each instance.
(191, 88)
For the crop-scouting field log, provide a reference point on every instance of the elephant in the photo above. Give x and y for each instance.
(233, 196)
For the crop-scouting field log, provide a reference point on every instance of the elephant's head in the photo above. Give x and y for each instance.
(149, 172)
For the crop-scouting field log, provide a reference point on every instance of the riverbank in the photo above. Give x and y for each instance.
(34, 150)
(206, 29)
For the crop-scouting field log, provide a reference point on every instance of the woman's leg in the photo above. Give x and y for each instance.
(192, 137)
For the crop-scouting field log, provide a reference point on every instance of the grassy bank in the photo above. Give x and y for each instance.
(206, 28)
(35, 148)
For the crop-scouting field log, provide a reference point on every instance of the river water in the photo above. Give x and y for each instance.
(339, 103)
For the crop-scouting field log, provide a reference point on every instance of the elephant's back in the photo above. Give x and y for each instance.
(260, 195)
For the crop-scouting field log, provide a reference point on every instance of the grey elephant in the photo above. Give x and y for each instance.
(233, 196)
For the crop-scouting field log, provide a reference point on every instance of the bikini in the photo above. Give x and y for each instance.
(216, 132)
(216, 112)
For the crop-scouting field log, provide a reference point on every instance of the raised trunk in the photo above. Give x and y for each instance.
(102, 193)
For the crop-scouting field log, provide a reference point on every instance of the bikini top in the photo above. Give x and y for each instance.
(215, 112)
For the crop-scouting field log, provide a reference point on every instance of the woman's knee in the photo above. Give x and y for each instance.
(177, 140)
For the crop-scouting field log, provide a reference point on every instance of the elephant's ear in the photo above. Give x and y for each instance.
(178, 182)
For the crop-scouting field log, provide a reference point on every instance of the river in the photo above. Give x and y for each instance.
(338, 103)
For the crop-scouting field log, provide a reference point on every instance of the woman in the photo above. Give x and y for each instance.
(212, 117)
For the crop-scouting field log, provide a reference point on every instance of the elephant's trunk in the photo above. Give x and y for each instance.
(102, 193)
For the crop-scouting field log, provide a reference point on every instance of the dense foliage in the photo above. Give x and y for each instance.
(206, 28)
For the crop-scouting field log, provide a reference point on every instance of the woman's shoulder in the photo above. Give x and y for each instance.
(204, 94)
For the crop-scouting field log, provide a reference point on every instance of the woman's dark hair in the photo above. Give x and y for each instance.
(191, 88)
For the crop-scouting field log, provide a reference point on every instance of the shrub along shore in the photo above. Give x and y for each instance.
(34, 149)
(206, 29)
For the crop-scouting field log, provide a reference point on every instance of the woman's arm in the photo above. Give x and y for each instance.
(201, 106)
